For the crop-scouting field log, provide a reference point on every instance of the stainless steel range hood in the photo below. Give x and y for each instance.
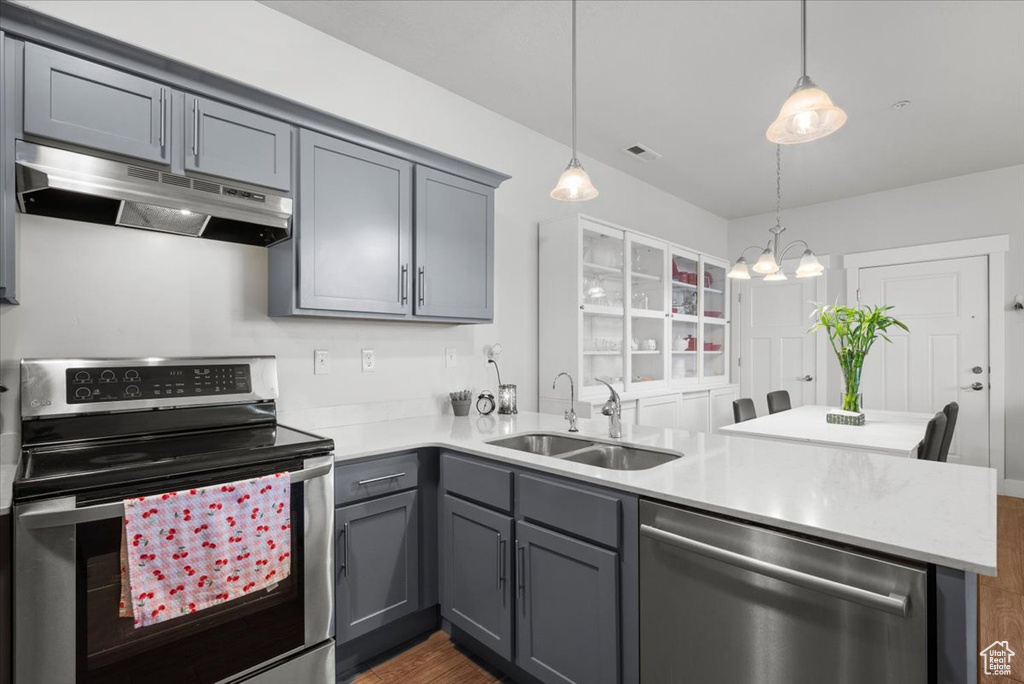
(80, 187)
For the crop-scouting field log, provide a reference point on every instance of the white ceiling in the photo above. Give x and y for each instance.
(700, 81)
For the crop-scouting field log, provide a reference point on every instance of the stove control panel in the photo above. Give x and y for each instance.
(92, 385)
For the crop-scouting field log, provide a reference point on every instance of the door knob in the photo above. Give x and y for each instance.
(977, 370)
(976, 386)
(806, 378)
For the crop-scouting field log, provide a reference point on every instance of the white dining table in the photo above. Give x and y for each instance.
(890, 432)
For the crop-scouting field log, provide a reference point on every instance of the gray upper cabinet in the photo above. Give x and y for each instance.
(376, 563)
(83, 103)
(477, 556)
(354, 227)
(233, 143)
(454, 246)
(568, 619)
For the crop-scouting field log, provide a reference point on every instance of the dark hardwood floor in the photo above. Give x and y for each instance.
(436, 660)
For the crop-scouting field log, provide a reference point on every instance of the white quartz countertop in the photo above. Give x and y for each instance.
(896, 432)
(927, 511)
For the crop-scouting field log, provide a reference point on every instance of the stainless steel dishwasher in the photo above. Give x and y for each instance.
(730, 603)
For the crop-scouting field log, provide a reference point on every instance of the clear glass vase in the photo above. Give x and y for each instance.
(852, 399)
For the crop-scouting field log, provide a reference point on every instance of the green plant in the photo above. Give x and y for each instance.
(852, 331)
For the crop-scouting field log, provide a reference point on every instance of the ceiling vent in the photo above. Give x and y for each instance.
(641, 152)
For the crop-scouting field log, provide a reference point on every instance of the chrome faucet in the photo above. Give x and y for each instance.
(613, 409)
(570, 414)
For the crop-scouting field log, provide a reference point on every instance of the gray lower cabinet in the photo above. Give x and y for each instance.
(476, 594)
(376, 562)
(83, 103)
(234, 143)
(568, 621)
(354, 227)
(454, 246)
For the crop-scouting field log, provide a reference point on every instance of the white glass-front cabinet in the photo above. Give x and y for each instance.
(648, 312)
(629, 309)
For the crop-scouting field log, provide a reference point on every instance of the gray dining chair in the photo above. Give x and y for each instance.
(743, 410)
(931, 447)
(951, 411)
(778, 401)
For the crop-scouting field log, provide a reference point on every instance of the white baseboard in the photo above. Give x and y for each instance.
(1014, 488)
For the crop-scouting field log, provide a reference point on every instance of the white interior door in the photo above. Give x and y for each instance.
(776, 352)
(945, 356)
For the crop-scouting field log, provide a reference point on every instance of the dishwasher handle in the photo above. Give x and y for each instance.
(893, 603)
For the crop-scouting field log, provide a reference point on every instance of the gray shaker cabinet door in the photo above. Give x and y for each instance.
(568, 614)
(376, 563)
(71, 99)
(354, 227)
(454, 246)
(233, 143)
(476, 591)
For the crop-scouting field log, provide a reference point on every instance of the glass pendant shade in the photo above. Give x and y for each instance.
(739, 270)
(574, 184)
(809, 266)
(808, 114)
(766, 263)
(778, 275)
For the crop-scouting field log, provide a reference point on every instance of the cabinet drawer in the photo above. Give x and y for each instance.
(368, 479)
(77, 101)
(487, 484)
(237, 144)
(579, 511)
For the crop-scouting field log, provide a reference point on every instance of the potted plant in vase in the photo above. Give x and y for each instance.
(852, 330)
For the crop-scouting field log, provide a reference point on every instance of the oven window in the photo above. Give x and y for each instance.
(201, 648)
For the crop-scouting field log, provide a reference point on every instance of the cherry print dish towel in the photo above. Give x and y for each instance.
(189, 550)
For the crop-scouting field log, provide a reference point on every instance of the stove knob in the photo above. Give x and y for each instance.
(131, 376)
(82, 377)
(107, 376)
(82, 393)
(132, 390)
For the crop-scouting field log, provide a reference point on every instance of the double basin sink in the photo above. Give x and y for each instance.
(587, 451)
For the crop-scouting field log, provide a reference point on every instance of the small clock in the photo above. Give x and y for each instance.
(485, 403)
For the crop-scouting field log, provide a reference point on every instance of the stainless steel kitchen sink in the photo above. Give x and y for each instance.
(543, 445)
(588, 452)
(618, 457)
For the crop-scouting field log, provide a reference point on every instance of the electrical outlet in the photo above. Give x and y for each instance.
(369, 362)
(321, 362)
(450, 359)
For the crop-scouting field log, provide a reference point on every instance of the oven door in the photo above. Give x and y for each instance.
(67, 579)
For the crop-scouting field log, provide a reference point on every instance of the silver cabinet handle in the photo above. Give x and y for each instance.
(498, 550)
(163, 115)
(314, 468)
(379, 479)
(420, 286)
(521, 551)
(501, 560)
(195, 127)
(404, 286)
(344, 550)
(976, 386)
(893, 603)
(342, 542)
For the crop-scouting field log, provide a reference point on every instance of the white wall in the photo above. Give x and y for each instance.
(976, 205)
(104, 291)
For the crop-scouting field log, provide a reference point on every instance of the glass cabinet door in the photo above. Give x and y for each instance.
(714, 300)
(648, 311)
(685, 313)
(602, 304)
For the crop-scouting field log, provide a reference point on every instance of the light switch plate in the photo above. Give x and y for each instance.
(369, 361)
(321, 362)
(450, 358)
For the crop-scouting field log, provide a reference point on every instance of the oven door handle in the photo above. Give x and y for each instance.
(34, 520)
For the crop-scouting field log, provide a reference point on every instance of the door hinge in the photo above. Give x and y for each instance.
(739, 297)
(739, 360)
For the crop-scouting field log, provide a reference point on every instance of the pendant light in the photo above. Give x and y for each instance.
(769, 264)
(574, 184)
(808, 113)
